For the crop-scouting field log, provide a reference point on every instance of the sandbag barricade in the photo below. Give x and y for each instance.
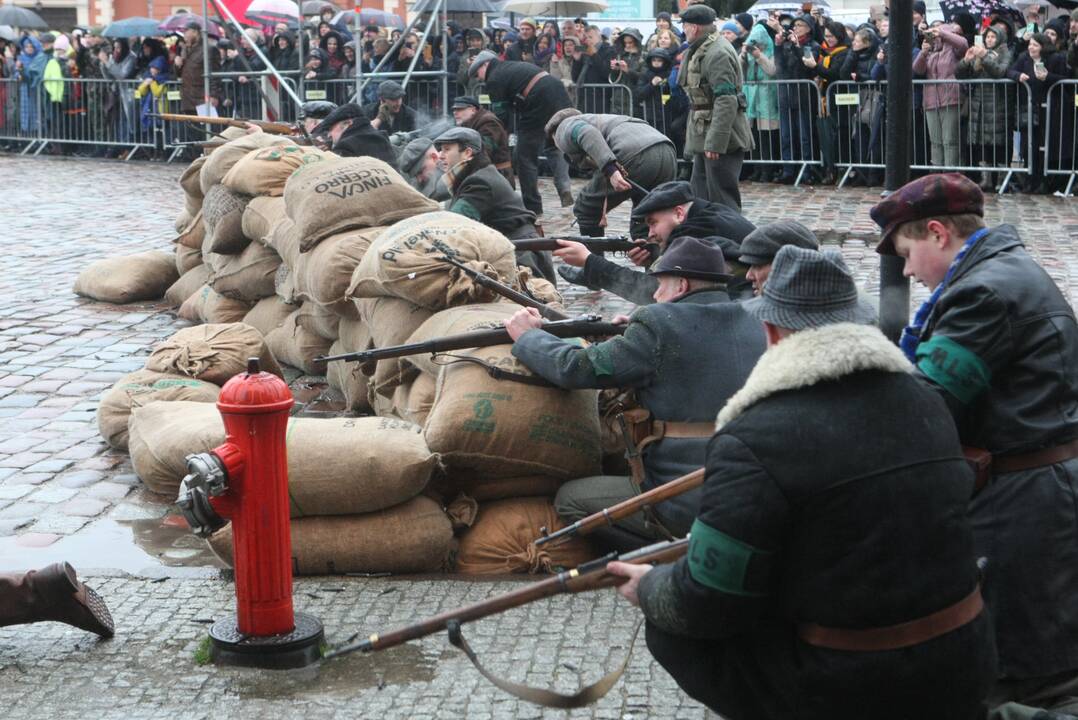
(139, 389)
(128, 278)
(208, 306)
(214, 353)
(501, 540)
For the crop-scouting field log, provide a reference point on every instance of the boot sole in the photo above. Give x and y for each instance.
(96, 605)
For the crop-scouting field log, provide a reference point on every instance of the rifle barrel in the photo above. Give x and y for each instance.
(507, 292)
(625, 508)
(593, 244)
(589, 576)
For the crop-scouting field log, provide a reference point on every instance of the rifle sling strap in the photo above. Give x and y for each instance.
(541, 696)
(495, 372)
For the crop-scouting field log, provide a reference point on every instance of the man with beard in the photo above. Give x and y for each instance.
(670, 211)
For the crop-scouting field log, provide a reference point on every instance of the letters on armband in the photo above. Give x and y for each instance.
(956, 369)
(721, 562)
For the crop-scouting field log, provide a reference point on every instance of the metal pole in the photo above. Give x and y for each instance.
(894, 287)
(206, 67)
(358, 40)
(223, 9)
(431, 21)
(445, 58)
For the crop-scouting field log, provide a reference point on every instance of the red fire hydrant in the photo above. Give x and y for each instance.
(246, 481)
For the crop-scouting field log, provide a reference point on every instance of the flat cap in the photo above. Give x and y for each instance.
(465, 136)
(412, 155)
(665, 196)
(691, 258)
(480, 60)
(931, 196)
(465, 101)
(390, 90)
(698, 15)
(762, 244)
(348, 111)
(316, 109)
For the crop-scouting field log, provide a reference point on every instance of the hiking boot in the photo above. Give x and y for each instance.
(60, 596)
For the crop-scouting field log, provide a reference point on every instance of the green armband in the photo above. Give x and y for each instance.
(599, 357)
(721, 562)
(957, 370)
(465, 208)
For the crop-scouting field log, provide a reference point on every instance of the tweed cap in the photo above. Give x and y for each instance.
(412, 155)
(931, 196)
(691, 258)
(465, 101)
(390, 90)
(698, 15)
(465, 136)
(760, 246)
(316, 109)
(348, 111)
(665, 196)
(480, 60)
(807, 289)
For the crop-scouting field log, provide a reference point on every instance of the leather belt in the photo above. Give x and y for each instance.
(1038, 458)
(665, 428)
(531, 83)
(893, 637)
(503, 165)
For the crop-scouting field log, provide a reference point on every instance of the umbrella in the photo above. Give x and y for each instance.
(368, 16)
(1061, 4)
(177, 22)
(8, 33)
(19, 17)
(554, 8)
(132, 27)
(979, 9)
(790, 5)
(314, 7)
(457, 6)
(272, 10)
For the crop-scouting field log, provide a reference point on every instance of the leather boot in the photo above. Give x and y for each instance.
(566, 198)
(53, 593)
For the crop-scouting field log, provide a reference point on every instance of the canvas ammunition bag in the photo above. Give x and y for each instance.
(139, 389)
(264, 171)
(128, 278)
(222, 212)
(187, 285)
(207, 306)
(213, 353)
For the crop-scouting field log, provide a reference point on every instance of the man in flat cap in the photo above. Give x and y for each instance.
(420, 166)
(830, 573)
(759, 248)
(536, 96)
(390, 115)
(351, 135)
(999, 342)
(314, 112)
(717, 135)
(669, 211)
(660, 357)
(467, 112)
(481, 193)
(621, 148)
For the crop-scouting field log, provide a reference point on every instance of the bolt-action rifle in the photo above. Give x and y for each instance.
(615, 243)
(275, 128)
(585, 326)
(589, 576)
(625, 508)
(505, 291)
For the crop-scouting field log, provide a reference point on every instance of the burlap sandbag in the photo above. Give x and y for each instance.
(404, 262)
(195, 233)
(501, 540)
(207, 306)
(128, 278)
(347, 378)
(336, 466)
(213, 353)
(413, 401)
(414, 537)
(141, 388)
(391, 322)
(325, 273)
(248, 276)
(192, 190)
(539, 288)
(285, 240)
(221, 160)
(322, 321)
(182, 221)
(298, 347)
(336, 195)
(455, 321)
(261, 216)
(222, 213)
(268, 314)
(188, 284)
(187, 258)
(490, 430)
(264, 171)
(354, 335)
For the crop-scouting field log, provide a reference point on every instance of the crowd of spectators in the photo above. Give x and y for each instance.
(800, 71)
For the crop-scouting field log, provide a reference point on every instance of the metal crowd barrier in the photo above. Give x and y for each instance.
(604, 98)
(794, 105)
(1061, 138)
(422, 94)
(974, 135)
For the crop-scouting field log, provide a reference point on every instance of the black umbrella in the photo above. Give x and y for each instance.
(457, 6)
(979, 9)
(19, 17)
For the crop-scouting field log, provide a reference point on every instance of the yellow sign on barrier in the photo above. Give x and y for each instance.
(315, 94)
(172, 95)
(847, 99)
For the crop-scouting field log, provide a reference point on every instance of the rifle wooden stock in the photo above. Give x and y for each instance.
(507, 292)
(589, 576)
(608, 244)
(589, 326)
(270, 127)
(625, 508)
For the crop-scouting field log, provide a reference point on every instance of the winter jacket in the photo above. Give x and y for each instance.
(623, 103)
(495, 142)
(760, 94)
(665, 101)
(522, 51)
(1056, 66)
(789, 56)
(835, 494)
(404, 121)
(360, 139)
(658, 355)
(507, 80)
(483, 195)
(991, 106)
(606, 139)
(192, 74)
(940, 63)
(711, 77)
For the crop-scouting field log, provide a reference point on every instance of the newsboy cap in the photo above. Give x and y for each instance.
(316, 109)
(807, 289)
(465, 136)
(665, 196)
(691, 258)
(390, 90)
(348, 111)
(762, 244)
(933, 195)
(480, 60)
(465, 101)
(698, 15)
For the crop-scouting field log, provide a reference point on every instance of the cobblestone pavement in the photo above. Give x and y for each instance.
(65, 495)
